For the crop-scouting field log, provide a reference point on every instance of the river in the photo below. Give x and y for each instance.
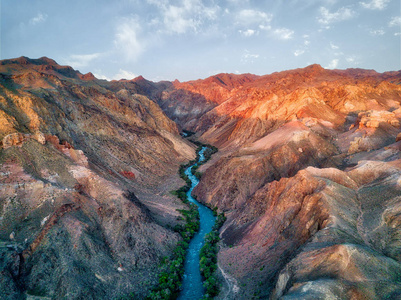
(192, 287)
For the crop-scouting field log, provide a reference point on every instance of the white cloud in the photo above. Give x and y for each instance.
(327, 17)
(81, 60)
(334, 47)
(249, 57)
(352, 59)
(127, 39)
(375, 4)
(333, 64)
(299, 52)
(38, 19)
(101, 76)
(306, 40)
(124, 74)
(176, 21)
(184, 16)
(395, 22)
(238, 1)
(248, 33)
(283, 33)
(265, 27)
(250, 16)
(377, 32)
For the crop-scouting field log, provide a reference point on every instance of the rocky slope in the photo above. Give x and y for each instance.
(308, 174)
(85, 170)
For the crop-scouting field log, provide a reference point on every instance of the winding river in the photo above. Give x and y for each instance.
(192, 287)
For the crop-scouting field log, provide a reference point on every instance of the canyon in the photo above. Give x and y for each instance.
(308, 174)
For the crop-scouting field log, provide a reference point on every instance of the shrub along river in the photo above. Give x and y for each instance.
(192, 286)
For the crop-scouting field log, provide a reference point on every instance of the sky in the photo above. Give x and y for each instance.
(191, 39)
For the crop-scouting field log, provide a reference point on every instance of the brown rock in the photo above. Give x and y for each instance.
(13, 139)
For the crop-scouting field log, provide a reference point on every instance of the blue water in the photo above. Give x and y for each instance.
(192, 287)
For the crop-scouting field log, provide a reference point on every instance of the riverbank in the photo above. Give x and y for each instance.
(183, 265)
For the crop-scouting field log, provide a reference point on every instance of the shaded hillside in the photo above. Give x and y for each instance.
(75, 154)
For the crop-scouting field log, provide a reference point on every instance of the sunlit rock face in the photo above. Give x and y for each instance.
(308, 174)
(86, 167)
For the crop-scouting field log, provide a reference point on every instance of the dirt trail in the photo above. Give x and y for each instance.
(232, 285)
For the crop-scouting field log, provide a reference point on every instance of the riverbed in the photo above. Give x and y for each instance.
(192, 287)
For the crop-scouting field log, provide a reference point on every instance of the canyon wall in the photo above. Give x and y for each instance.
(308, 174)
(85, 174)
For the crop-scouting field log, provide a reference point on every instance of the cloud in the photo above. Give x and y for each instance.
(250, 16)
(248, 33)
(306, 40)
(127, 39)
(334, 47)
(327, 17)
(333, 64)
(40, 18)
(395, 22)
(375, 4)
(184, 16)
(101, 76)
(249, 57)
(299, 52)
(123, 74)
(81, 60)
(265, 27)
(260, 20)
(283, 33)
(178, 20)
(377, 32)
(353, 59)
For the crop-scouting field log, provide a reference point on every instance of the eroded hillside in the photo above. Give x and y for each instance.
(85, 174)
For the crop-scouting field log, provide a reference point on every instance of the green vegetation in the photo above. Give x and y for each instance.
(173, 267)
(210, 150)
(208, 258)
(187, 133)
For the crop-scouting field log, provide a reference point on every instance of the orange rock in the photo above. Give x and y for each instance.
(13, 139)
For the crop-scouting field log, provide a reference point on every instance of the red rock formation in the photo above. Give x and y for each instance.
(316, 227)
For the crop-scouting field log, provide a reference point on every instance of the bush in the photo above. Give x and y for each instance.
(208, 258)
